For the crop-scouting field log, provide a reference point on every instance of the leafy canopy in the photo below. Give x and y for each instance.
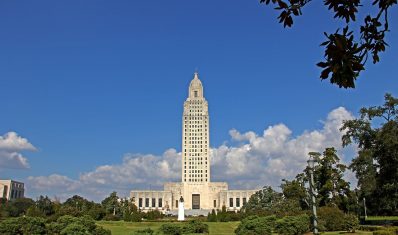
(345, 55)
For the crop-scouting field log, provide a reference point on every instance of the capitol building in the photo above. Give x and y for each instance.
(196, 188)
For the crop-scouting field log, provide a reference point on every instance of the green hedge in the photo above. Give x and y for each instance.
(255, 225)
(193, 226)
(370, 228)
(146, 231)
(65, 225)
(293, 225)
(383, 232)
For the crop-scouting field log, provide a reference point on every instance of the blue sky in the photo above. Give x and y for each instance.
(90, 82)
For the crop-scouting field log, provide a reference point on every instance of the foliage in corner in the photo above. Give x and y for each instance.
(345, 56)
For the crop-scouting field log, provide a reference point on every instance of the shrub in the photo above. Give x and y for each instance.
(171, 229)
(351, 223)
(97, 212)
(23, 226)
(254, 225)
(370, 228)
(195, 226)
(331, 219)
(293, 225)
(383, 232)
(101, 231)
(212, 217)
(54, 228)
(153, 215)
(146, 231)
(111, 217)
(75, 229)
(33, 211)
(32, 225)
(87, 222)
(76, 225)
(9, 226)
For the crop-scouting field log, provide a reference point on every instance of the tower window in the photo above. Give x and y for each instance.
(195, 93)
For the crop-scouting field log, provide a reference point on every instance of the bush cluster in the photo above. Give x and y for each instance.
(171, 229)
(256, 225)
(223, 215)
(193, 226)
(64, 225)
(333, 219)
(289, 225)
(146, 231)
(380, 230)
(293, 225)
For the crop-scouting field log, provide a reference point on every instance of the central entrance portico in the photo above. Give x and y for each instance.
(195, 201)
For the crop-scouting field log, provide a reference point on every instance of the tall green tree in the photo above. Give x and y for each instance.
(376, 165)
(329, 182)
(347, 50)
(111, 204)
(263, 202)
(295, 191)
(45, 205)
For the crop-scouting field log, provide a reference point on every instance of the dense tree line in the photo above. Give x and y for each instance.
(376, 165)
(76, 215)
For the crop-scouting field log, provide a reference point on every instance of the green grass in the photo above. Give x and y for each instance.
(382, 218)
(358, 232)
(127, 228)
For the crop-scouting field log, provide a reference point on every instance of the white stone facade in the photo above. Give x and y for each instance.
(11, 189)
(195, 187)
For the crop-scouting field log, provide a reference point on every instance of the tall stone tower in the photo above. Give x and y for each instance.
(199, 194)
(195, 135)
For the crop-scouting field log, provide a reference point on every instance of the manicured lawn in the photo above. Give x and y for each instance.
(127, 228)
(346, 233)
(217, 228)
(382, 218)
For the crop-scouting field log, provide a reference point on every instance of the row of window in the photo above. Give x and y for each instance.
(195, 133)
(237, 202)
(194, 171)
(17, 185)
(196, 101)
(191, 150)
(194, 138)
(196, 158)
(195, 126)
(153, 202)
(194, 154)
(193, 167)
(16, 194)
(196, 150)
(201, 117)
(195, 180)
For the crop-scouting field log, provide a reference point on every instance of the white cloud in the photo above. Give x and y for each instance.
(266, 159)
(251, 160)
(139, 171)
(11, 146)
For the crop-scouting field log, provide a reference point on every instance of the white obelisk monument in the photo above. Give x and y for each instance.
(181, 216)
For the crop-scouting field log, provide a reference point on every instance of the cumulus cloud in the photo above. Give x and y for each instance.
(265, 159)
(11, 146)
(250, 160)
(136, 171)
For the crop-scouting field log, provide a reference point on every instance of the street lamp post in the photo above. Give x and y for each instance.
(311, 164)
(364, 207)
